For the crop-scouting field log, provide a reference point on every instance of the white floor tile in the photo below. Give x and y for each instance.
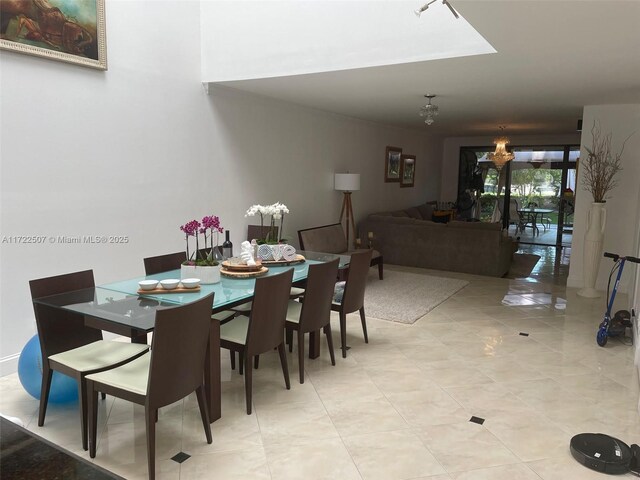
(398, 407)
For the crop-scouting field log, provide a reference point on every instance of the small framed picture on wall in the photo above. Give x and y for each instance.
(392, 164)
(407, 170)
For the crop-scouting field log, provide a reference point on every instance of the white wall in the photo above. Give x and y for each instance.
(141, 149)
(451, 156)
(623, 216)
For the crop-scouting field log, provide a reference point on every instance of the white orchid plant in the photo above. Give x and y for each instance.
(277, 211)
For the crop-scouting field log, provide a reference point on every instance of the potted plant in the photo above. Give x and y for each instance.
(600, 168)
(276, 212)
(202, 263)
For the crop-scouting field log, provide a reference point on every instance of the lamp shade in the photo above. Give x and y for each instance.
(347, 182)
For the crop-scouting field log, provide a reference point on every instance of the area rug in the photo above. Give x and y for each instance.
(522, 265)
(405, 297)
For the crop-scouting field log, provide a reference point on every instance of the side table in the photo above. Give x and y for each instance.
(443, 216)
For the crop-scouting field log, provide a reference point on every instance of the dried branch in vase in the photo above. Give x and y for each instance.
(601, 165)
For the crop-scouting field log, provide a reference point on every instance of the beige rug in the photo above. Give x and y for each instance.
(405, 297)
(522, 265)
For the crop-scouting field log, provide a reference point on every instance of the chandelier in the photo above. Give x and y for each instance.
(500, 157)
(429, 111)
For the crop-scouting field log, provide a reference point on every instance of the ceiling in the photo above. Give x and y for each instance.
(553, 57)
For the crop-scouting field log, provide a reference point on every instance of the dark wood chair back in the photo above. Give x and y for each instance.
(327, 239)
(268, 313)
(59, 330)
(318, 295)
(259, 233)
(164, 263)
(353, 298)
(178, 350)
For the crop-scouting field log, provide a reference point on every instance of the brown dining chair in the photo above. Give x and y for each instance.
(173, 370)
(164, 263)
(70, 347)
(353, 297)
(332, 239)
(172, 261)
(314, 313)
(263, 330)
(260, 232)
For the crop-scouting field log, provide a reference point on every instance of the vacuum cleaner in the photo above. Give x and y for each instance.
(605, 454)
(617, 325)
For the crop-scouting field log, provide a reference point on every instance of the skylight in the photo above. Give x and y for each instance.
(260, 39)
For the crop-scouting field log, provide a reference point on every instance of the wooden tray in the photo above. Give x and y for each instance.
(160, 291)
(235, 274)
(242, 268)
(299, 259)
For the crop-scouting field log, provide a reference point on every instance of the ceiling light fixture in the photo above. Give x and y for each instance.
(500, 157)
(429, 111)
(426, 6)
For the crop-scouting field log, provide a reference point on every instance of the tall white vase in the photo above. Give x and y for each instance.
(593, 240)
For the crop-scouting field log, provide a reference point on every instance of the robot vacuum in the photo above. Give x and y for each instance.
(602, 453)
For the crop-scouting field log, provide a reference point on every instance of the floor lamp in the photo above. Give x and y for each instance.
(347, 183)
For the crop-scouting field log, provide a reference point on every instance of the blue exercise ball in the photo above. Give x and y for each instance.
(64, 389)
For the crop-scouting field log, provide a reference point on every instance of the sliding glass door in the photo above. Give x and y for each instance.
(533, 195)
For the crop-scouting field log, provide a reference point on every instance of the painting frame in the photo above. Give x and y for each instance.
(392, 161)
(56, 34)
(407, 170)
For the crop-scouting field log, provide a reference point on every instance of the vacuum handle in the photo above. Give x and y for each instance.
(616, 257)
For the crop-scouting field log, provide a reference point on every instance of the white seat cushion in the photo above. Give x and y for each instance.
(98, 355)
(223, 316)
(132, 376)
(294, 309)
(296, 292)
(245, 307)
(235, 331)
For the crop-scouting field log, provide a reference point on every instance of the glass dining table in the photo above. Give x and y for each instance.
(120, 308)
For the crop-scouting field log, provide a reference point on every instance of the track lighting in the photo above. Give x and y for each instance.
(426, 6)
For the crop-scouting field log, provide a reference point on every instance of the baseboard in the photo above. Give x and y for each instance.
(9, 364)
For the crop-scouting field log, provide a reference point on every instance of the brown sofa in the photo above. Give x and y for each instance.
(470, 247)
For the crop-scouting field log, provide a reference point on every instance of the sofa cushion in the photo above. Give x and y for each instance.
(399, 213)
(413, 212)
(476, 225)
(426, 210)
(338, 292)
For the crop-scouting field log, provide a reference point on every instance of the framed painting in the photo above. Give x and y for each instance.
(392, 164)
(407, 170)
(71, 31)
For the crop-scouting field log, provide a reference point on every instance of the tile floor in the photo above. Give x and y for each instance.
(399, 408)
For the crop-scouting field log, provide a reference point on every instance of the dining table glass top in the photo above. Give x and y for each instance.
(121, 302)
(120, 308)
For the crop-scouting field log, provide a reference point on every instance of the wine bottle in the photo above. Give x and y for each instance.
(227, 247)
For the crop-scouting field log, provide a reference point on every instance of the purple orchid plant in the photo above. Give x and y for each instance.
(210, 228)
